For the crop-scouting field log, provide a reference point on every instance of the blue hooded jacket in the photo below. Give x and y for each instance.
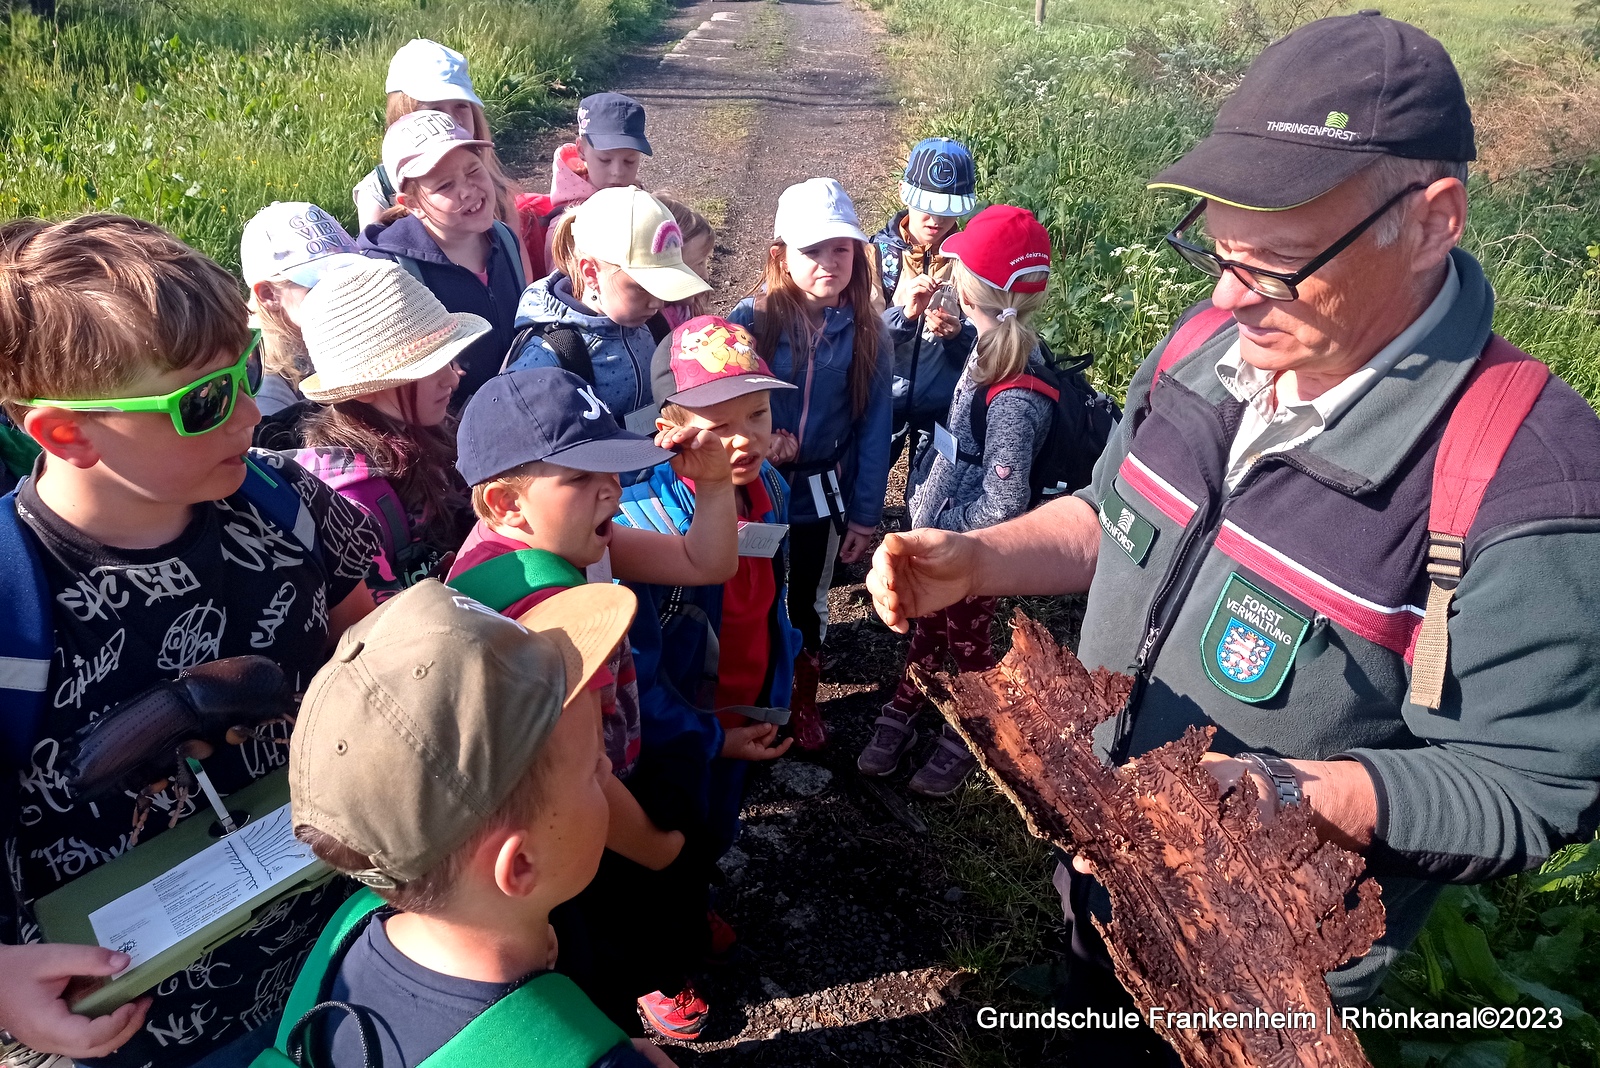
(939, 361)
(620, 354)
(458, 289)
(674, 635)
(860, 446)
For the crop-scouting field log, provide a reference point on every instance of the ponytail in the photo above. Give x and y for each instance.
(1004, 350)
(563, 249)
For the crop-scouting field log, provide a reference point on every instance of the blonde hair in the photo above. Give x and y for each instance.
(1003, 351)
(283, 346)
(506, 190)
(695, 228)
(517, 478)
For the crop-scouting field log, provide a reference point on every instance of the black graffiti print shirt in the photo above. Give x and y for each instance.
(232, 584)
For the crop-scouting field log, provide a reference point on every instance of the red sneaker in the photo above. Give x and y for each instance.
(723, 937)
(682, 1017)
(810, 733)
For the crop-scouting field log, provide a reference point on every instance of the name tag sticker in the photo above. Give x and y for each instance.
(641, 421)
(1132, 532)
(761, 539)
(944, 442)
(1250, 643)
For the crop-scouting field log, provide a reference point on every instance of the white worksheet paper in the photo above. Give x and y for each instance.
(163, 912)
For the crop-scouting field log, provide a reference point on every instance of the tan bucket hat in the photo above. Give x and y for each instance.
(431, 711)
(372, 326)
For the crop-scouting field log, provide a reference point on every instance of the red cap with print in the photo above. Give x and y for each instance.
(714, 360)
(1004, 246)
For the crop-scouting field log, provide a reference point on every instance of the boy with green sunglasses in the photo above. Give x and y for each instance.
(149, 539)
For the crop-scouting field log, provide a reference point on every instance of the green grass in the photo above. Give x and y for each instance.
(1070, 121)
(195, 113)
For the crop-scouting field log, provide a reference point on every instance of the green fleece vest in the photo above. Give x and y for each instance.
(546, 1021)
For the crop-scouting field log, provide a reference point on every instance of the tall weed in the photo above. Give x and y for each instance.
(195, 113)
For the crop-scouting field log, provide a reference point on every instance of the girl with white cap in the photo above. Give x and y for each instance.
(816, 325)
(385, 354)
(427, 76)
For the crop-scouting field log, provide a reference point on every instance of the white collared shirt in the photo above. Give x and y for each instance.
(1275, 425)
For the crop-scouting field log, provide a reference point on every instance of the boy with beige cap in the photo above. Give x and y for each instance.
(449, 759)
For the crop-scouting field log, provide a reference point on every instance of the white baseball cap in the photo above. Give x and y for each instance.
(635, 231)
(293, 240)
(814, 211)
(415, 144)
(428, 71)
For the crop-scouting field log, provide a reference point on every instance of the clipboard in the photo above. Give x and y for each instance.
(64, 914)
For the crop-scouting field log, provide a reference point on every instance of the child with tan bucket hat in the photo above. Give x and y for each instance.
(449, 759)
(385, 353)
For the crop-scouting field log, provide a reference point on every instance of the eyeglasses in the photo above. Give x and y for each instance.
(1274, 285)
(198, 408)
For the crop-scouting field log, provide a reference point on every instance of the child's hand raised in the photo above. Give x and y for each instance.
(917, 294)
(784, 448)
(753, 742)
(699, 455)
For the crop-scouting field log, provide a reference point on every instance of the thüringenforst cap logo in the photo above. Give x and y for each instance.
(1336, 120)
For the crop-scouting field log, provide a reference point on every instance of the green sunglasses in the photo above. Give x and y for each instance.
(198, 408)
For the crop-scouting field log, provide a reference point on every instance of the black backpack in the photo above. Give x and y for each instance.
(572, 352)
(1081, 421)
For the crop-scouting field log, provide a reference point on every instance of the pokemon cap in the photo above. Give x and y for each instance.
(714, 360)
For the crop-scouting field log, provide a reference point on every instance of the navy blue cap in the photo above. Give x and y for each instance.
(545, 413)
(941, 178)
(611, 120)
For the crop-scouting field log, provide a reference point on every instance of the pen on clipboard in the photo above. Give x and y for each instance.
(228, 826)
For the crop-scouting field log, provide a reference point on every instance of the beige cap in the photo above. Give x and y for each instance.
(431, 711)
(635, 231)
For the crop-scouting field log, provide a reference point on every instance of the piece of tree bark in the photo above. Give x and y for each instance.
(1211, 908)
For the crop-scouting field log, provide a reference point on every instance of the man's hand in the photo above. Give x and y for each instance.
(698, 455)
(855, 543)
(943, 324)
(32, 978)
(921, 572)
(784, 448)
(916, 294)
(1229, 770)
(753, 742)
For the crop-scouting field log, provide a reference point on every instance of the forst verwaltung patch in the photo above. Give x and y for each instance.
(1132, 532)
(1250, 643)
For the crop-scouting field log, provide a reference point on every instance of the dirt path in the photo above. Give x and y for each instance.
(840, 893)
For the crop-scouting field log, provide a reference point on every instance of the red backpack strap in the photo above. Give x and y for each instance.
(1028, 382)
(1195, 331)
(1500, 392)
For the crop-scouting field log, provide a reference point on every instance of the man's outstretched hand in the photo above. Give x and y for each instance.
(921, 572)
(32, 980)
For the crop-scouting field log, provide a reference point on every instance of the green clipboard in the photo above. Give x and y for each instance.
(64, 914)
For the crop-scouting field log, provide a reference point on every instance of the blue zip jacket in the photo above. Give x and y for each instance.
(861, 445)
(458, 289)
(620, 354)
(674, 637)
(939, 361)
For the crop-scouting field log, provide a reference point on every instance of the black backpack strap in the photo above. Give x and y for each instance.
(659, 327)
(297, 1047)
(382, 174)
(568, 345)
(513, 249)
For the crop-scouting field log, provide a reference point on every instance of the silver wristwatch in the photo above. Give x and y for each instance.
(1281, 774)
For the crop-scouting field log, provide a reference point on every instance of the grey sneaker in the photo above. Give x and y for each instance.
(890, 743)
(945, 770)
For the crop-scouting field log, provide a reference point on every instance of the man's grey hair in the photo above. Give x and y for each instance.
(1389, 175)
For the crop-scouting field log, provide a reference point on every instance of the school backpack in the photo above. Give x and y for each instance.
(27, 633)
(567, 342)
(1499, 393)
(546, 1021)
(502, 236)
(1081, 421)
(406, 559)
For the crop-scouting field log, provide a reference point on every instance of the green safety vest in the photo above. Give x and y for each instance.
(546, 1021)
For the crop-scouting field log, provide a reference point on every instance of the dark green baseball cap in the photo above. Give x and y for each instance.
(431, 711)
